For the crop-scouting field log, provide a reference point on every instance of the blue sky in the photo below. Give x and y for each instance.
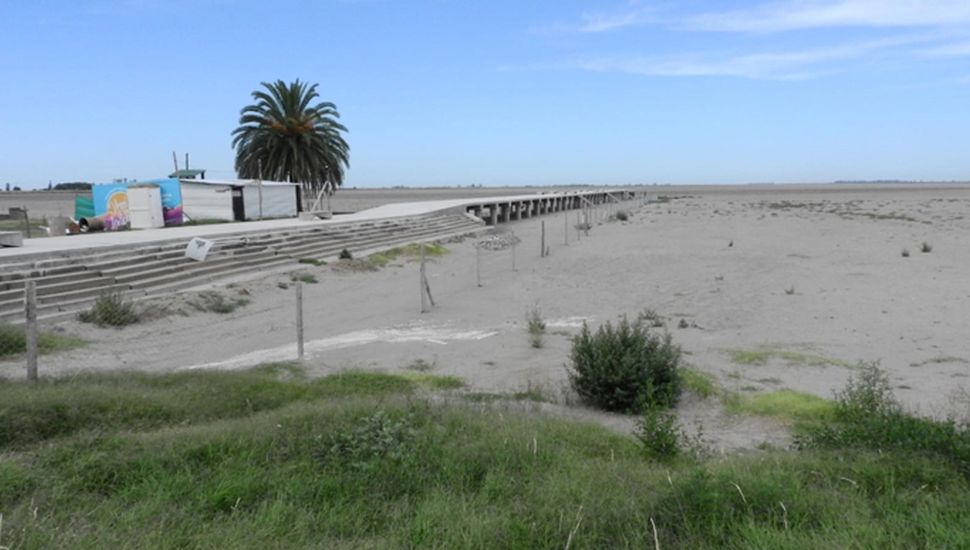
(460, 92)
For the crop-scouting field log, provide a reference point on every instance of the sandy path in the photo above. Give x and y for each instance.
(855, 299)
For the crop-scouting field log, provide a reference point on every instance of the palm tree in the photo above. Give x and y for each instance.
(282, 137)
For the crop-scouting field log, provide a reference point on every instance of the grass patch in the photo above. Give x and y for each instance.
(408, 253)
(701, 383)
(433, 381)
(266, 458)
(790, 405)
(311, 261)
(761, 356)
(307, 278)
(112, 309)
(216, 302)
(134, 401)
(13, 341)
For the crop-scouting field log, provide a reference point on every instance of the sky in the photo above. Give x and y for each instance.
(524, 92)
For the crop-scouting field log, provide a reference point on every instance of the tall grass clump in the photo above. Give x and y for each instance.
(536, 326)
(111, 309)
(626, 367)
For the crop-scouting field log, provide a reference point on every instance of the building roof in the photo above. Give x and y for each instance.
(241, 183)
(187, 173)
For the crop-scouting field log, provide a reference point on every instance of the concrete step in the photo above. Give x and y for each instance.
(57, 288)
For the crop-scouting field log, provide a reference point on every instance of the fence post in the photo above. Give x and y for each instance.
(542, 240)
(513, 251)
(478, 264)
(30, 307)
(26, 222)
(422, 284)
(565, 228)
(299, 320)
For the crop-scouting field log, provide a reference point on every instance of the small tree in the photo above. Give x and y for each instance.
(625, 368)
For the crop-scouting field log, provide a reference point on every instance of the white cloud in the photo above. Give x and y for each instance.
(790, 65)
(602, 22)
(789, 15)
(955, 49)
(813, 14)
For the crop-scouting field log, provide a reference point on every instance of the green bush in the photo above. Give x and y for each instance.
(659, 435)
(868, 416)
(111, 309)
(346, 255)
(625, 368)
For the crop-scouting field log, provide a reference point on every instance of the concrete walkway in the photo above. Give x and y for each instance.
(38, 248)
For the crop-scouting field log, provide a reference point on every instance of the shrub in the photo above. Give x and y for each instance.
(868, 416)
(868, 393)
(625, 368)
(905, 253)
(345, 255)
(926, 248)
(111, 309)
(536, 326)
(622, 215)
(659, 435)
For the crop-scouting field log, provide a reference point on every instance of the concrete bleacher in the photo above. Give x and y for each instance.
(68, 282)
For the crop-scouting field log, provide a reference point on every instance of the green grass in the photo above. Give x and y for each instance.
(307, 278)
(790, 405)
(311, 261)
(761, 356)
(112, 309)
(269, 459)
(701, 383)
(13, 341)
(433, 381)
(408, 253)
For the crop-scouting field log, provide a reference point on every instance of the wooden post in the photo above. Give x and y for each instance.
(26, 222)
(299, 320)
(513, 252)
(478, 264)
(542, 240)
(30, 306)
(423, 284)
(259, 187)
(565, 228)
(579, 233)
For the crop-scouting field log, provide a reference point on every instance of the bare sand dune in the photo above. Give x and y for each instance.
(778, 290)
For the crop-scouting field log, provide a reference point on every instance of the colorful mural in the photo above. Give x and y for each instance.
(111, 202)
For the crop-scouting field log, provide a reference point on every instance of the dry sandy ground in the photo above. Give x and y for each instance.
(815, 277)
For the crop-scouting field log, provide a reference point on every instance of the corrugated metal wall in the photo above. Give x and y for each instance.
(207, 202)
(279, 201)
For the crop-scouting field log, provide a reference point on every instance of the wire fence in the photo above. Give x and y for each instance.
(283, 317)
